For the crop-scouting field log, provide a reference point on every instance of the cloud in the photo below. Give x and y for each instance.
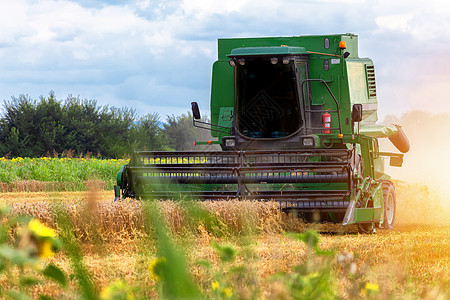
(65, 43)
(397, 22)
(158, 54)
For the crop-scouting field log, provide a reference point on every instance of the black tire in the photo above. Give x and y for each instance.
(389, 204)
(368, 228)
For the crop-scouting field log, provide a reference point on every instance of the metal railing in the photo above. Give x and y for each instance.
(309, 111)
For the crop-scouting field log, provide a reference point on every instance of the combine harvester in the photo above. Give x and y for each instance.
(296, 120)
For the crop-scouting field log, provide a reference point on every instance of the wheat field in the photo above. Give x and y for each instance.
(408, 262)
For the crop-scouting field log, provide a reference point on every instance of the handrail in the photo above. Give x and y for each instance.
(195, 123)
(332, 95)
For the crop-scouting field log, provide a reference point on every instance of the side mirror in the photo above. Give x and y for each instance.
(396, 161)
(195, 110)
(357, 113)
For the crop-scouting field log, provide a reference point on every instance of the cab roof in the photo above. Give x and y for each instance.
(274, 50)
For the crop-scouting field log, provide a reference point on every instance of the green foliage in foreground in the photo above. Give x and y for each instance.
(73, 170)
(23, 258)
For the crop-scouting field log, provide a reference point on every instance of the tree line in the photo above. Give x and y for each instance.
(34, 128)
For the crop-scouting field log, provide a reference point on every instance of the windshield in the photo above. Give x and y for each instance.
(267, 99)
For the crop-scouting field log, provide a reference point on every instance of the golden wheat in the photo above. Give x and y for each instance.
(409, 260)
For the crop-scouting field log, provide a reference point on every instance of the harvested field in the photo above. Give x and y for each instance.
(411, 261)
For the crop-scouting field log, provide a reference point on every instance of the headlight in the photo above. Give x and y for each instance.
(230, 143)
(308, 141)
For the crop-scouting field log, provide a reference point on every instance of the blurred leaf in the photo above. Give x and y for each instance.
(301, 269)
(3, 234)
(45, 297)
(239, 269)
(4, 210)
(200, 216)
(324, 252)
(203, 263)
(73, 251)
(15, 256)
(117, 290)
(2, 264)
(53, 272)
(176, 281)
(28, 281)
(309, 237)
(19, 220)
(16, 295)
(156, 267)
(226, 253)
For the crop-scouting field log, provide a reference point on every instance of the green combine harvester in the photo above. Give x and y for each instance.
(296, 120)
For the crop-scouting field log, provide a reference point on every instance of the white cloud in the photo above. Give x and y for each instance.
(139, 50)
(399, 22)
(12, 16)
(202, 8)
(142, 5)
(424, 20)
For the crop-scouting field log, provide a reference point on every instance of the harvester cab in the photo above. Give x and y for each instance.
(296, 121)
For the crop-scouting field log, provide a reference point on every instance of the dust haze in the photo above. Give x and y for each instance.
(423, 182)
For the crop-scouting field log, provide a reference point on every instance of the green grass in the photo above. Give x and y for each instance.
(69, 170)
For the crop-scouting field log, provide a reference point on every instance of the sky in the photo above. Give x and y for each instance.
(157, 55)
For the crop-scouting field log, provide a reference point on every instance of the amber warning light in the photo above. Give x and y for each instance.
(342, 45)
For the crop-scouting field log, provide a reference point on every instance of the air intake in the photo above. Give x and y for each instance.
(371, 86)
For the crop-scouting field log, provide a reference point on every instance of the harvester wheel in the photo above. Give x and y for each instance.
(389, 203)
(366, 228)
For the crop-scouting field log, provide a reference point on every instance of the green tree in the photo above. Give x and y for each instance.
(48, 116)
(15, 143)
(19, 127)
(147, 134)
(34, 128)
(181, 133)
